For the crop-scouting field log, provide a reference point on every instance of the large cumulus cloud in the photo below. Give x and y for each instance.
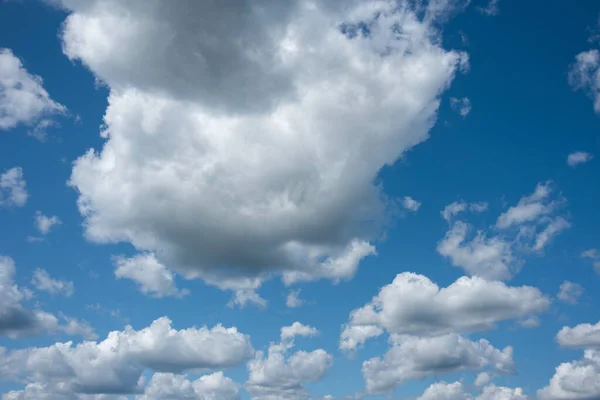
(245, 138)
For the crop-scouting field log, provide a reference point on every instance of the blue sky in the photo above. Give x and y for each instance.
(406, 208)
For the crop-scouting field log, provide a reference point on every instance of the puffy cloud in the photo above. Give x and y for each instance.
(582, 335)
(42, 281)
(116, 364)
(44, 223)
(569, 292)
(297, 329)
(445, 391)
(594, 256)
(498, 254)
(461, 106)
(13, 191)
(456, 391)
(18, 321)
(354, 336)
(153, 278)
(576, 380)
(584, 75)
(411, 204)
(23, 100)
(460, 206)
(418, 358)
(177, 387)
(293, 299)
(493, 392)
(414, 305)
(578, 157)
(276, 376)
(232, 128)
(488, 257)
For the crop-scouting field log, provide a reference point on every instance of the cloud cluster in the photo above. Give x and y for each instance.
(456, 391)
(258, 127)
(178, 387)
(277, 376)
(23, 100)
(498, 253)
(17, 321)
(576, 380)
(13, 188)
(115, 365)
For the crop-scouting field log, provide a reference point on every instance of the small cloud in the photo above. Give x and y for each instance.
(461, 105)
(243, 297)
(531, 322)
(491, 9)
(42, 281)
(594, 256)
(293, 299)
(569, 292)
(35, 239)
(411, 204)
(13, 191)
(39, 132)
(578, 157)
(44, 223)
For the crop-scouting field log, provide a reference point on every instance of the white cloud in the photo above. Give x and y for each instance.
(277, 377)
(594, 256)
(529, 208)
(178, 387)
(44, 223)
(491, 9)
(17, 321)
(297, 329)
(293, 299)
(42, 281)
(498, 254)
(576, 380)
(419, 358)
(243, 297)
(578, 157)
(116, 364)
(530, 322)
(414, 305)
(13, 191)
(553, 228)
(354, 336)
(456, 391)
(582, 335)
(585, 75)
(248, 133)
(445, 391)
(23, 100)
(153, 278)
(411, 204)
(482, 379)
(488, 257)
(460, 206)
(569, 292)
(461, 106)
